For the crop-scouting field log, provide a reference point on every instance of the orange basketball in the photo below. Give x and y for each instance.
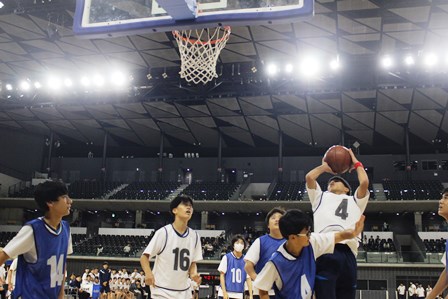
(338, 158)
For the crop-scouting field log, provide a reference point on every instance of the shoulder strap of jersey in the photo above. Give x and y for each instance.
(320, 201)
(166, 240)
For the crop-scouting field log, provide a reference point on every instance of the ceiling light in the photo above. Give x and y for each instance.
(271, 69)
(430, 59)
(335, 64)
(8, 86)
(25, 85)
(288, 68)
(409, 60)
(386, 61)
(309, 67)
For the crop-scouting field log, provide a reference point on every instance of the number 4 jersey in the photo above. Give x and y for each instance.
(174, 254)
(333, 212)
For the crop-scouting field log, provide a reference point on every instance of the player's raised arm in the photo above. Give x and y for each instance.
(313, 174)
(363, 178)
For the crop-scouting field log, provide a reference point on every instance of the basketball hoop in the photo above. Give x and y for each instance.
(199, 50)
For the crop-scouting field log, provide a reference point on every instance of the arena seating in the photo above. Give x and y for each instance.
(27, 192)
(210, 190)
(412, 190)
(146, 190)
(435, 246)
(112, 245)
(91, 189)
(379, 245)
(211, 247)
(5, 237)
(288, 191)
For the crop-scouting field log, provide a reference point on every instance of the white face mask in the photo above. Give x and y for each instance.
(238, 247)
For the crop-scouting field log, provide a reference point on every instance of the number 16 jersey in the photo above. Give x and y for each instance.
(334, 212)
(174, 254)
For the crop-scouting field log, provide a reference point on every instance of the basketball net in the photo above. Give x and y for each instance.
(199, 51)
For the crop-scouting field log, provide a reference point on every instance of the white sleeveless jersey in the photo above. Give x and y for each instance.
(174, 254)
(333, 212)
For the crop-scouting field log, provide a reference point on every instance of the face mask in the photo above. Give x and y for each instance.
(238, 247)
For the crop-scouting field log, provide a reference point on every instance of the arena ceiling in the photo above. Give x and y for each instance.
(361, 103)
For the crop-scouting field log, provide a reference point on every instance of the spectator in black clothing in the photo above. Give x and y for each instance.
(73, 285)
(137, 289)
(104, 280)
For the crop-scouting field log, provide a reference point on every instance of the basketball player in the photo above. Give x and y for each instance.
(232, 273)
(42, 246)
(336, 210)
(263, 247)
(177, 248)
(292, 268)
(442, 283)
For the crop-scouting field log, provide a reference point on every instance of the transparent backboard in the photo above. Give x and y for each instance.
(101, 18)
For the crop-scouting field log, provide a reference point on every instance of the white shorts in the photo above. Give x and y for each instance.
(159, 293)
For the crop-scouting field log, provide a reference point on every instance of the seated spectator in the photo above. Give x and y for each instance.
(86, 289)
(137, 289)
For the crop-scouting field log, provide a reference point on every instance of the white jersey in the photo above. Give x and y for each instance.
(333, 212)
(174, 254)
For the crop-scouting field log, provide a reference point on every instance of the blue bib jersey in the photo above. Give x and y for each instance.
(45, 277)
(268, 245)
(235, 275)
(297, 275)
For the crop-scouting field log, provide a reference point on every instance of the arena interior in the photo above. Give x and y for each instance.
(112, 118)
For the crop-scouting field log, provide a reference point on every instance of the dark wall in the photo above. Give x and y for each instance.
(20, 154)
(264, 169)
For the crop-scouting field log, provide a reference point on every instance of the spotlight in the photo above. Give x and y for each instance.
(430, 59)
(164, 75)
(386, 62)
(288, 68)
(1, 4)
(54, 83)
(68, 82)
(85, 81)
(8, 87)
(309, 67)
(254, 69)
(409, 60)
(37, 85)
(272, 69)
(335, 64)
(25, 85)
(149, 76)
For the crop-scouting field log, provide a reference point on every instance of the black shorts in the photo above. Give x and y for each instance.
(105, 289)
(336, 274)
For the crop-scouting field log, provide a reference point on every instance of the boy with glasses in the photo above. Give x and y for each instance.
(292, 268)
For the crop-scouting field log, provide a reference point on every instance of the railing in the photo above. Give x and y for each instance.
(17, 187)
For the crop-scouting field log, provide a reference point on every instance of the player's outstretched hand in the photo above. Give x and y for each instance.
(197, 278)
(354, 160)
(149, 280)
(350, 233)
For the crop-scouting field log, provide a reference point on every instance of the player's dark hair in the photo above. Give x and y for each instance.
(238, 237)
(279, 210)
(293, 222)
(178, 200)
(48, 191)
(445, 191)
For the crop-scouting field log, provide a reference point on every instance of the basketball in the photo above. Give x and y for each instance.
(338, 158)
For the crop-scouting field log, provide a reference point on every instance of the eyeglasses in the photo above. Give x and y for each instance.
(308, 234)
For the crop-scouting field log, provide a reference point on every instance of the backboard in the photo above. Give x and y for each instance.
(108, 18)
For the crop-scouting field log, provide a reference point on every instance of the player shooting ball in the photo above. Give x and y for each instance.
(336, 210)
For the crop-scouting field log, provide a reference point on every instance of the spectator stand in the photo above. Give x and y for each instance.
(378, 247)
(434, 244)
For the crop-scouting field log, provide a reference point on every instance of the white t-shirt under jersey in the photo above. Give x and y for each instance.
(333, 212)
(321, 244)
(174, 254)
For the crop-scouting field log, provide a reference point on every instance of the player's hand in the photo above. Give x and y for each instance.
(149, 280)
(197, 278)
(225, 295)
(325, 167)
(354, 160)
